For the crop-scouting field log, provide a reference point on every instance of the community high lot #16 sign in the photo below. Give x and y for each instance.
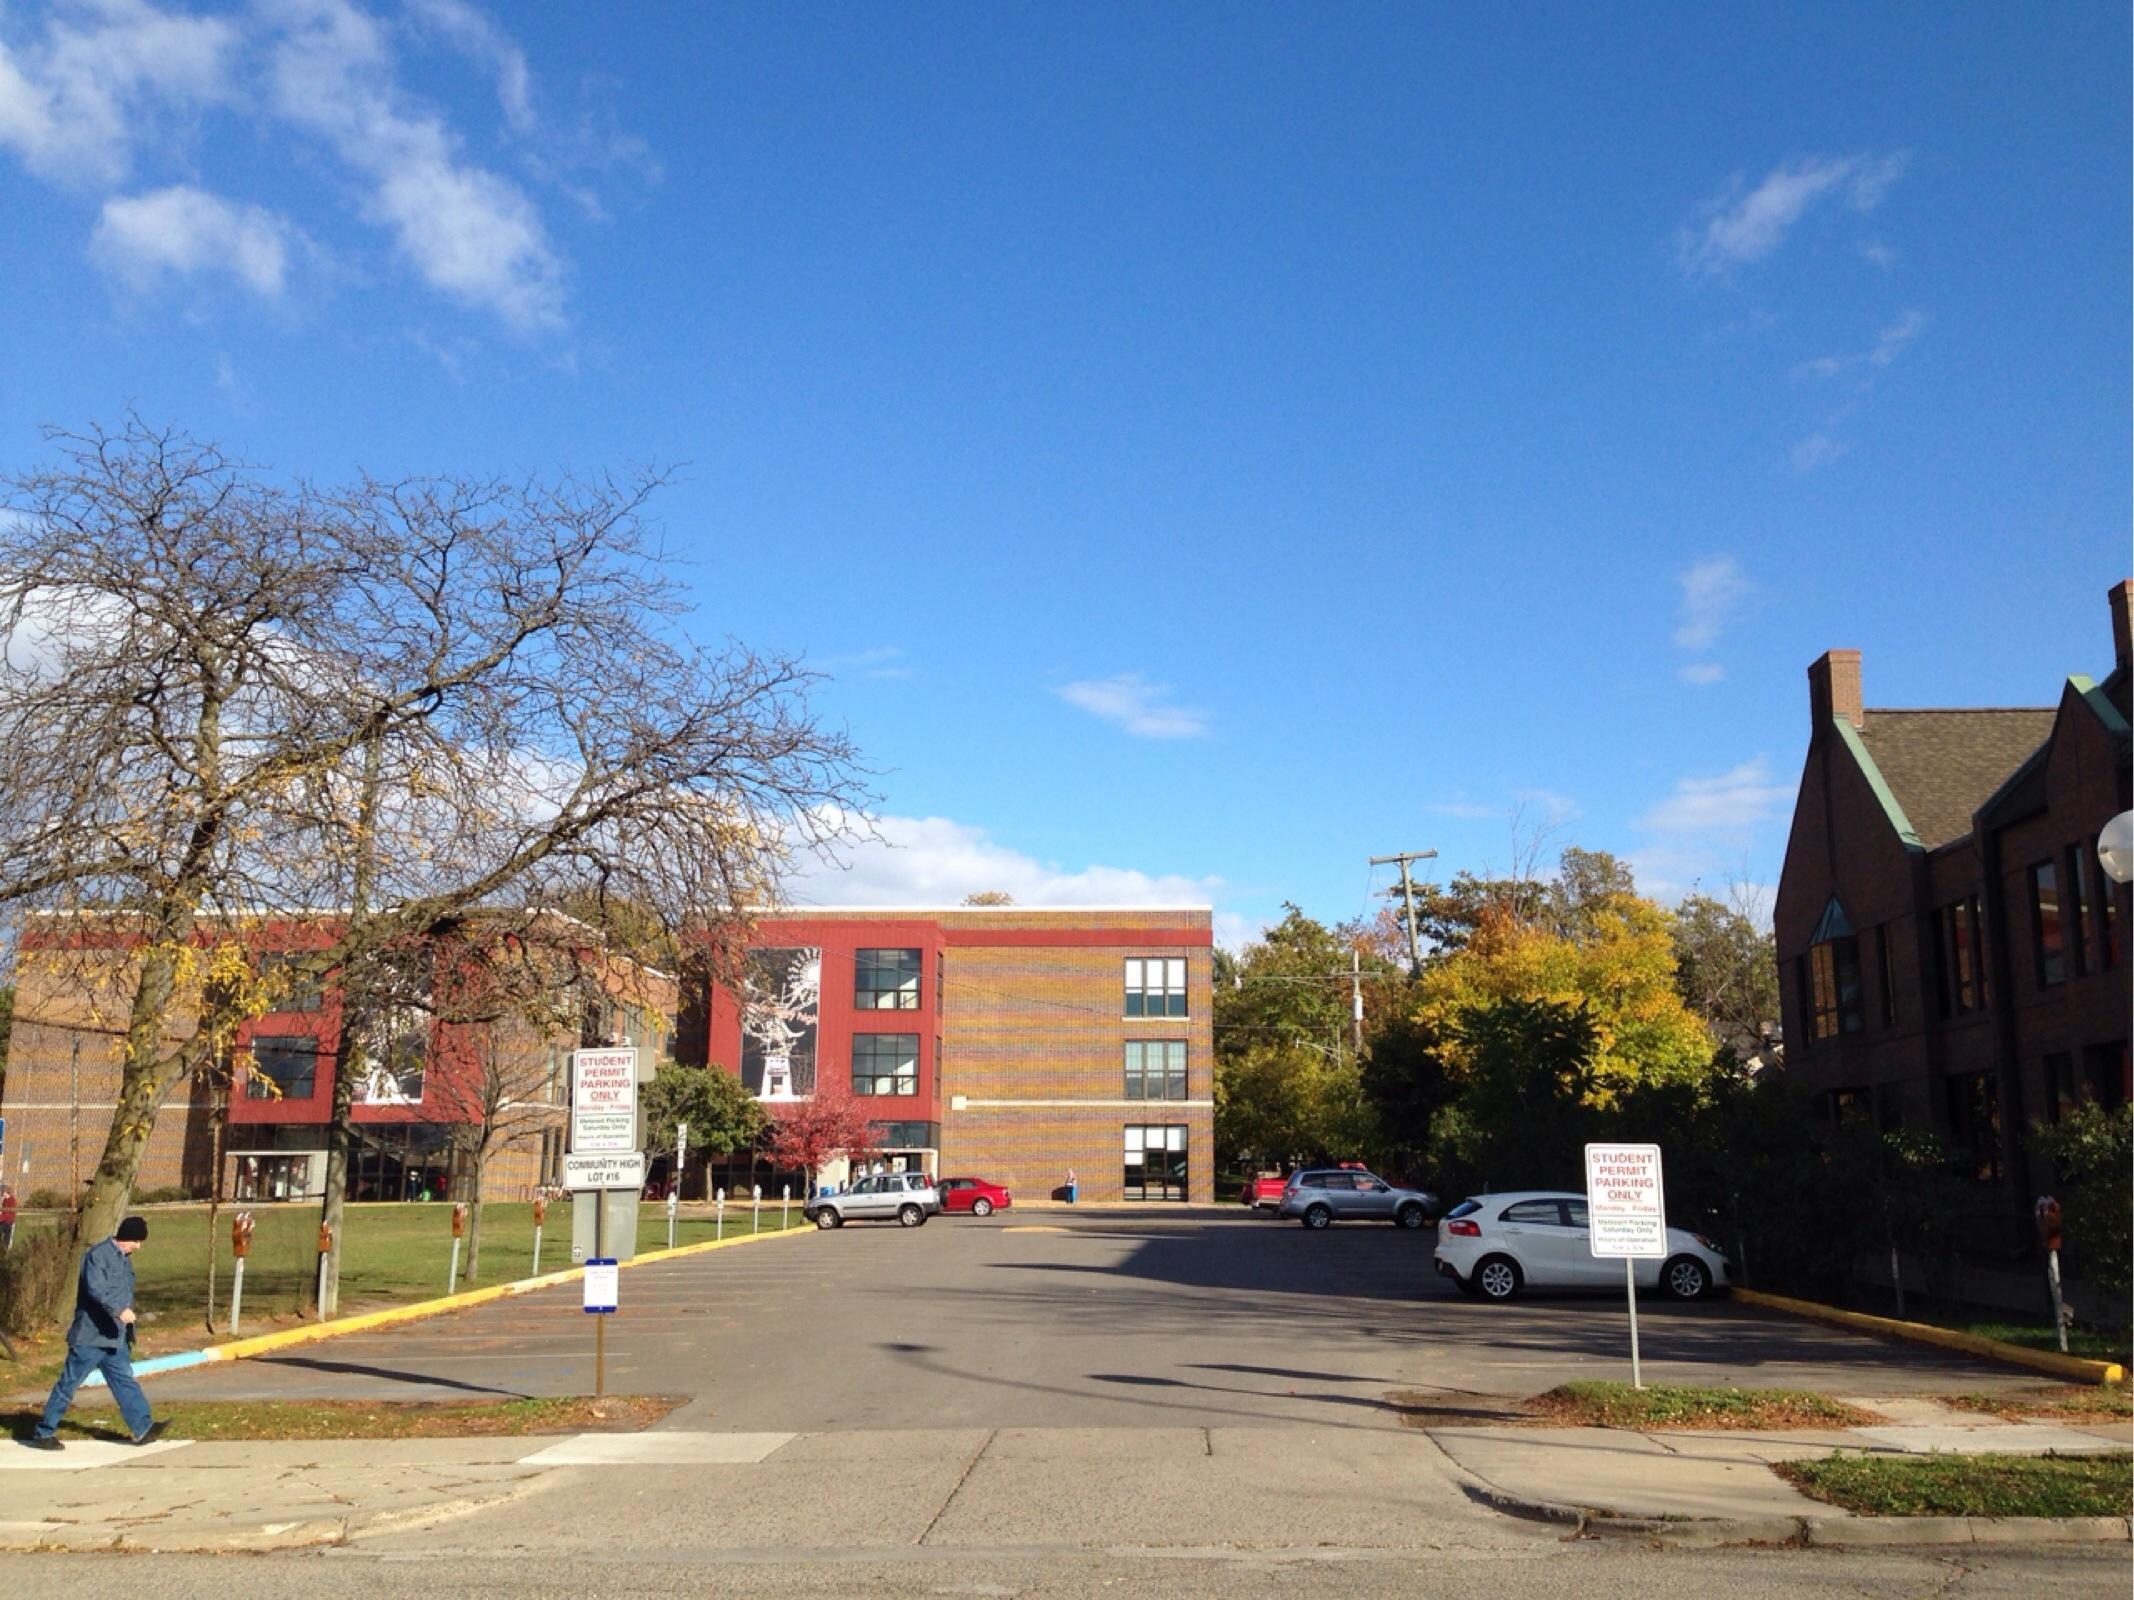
(603, 1102)
(1625, 1203)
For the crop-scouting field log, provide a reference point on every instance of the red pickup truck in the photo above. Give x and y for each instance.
(1264, 1191)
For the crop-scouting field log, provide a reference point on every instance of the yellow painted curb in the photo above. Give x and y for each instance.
(364, 1322)
(2076, 1367)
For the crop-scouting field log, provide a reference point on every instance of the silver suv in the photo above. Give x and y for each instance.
(909, 1197)
(1319, 1196)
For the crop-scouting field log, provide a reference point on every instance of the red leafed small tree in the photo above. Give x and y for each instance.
(809, 1132)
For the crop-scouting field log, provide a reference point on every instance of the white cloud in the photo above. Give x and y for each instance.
(1735, 800)
(469, 232)
(73, 102)
(1700, 672)
(1743, 225)
(476, 36)
(1465, 810)
(1143, 709)
(935, 861)
(881, 661)
(1712, 591)
(1817, 450)
(1892, 340)
(187, 231)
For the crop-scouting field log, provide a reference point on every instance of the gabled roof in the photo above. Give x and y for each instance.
(1941, 766)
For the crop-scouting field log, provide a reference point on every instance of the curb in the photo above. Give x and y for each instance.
(2059, 1366)
(1839, 1533)
(365, 1322)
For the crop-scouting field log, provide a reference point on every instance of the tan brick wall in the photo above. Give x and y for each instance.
(1040, 1032)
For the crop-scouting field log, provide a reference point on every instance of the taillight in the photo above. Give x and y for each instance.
(1464, 1228)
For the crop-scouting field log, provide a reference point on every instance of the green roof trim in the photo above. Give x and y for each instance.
(1907, 835)
(2096, 700)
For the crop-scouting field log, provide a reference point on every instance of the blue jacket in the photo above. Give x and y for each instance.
(106, 1289)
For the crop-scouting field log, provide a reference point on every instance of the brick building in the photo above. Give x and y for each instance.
(1951, 953)
(1013, 1043)
(435, 1079)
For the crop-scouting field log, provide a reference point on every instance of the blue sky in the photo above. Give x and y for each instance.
(1207, 446)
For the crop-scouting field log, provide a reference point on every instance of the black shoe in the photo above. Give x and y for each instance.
(153, 1432)
(43, 1441)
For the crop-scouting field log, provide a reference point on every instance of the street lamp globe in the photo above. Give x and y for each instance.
(2115, 847)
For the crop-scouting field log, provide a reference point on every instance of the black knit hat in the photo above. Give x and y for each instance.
(132, 1231)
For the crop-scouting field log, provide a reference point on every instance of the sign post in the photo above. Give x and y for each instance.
(240, 1247)
(604, 1158)
(1626, 1208)
(459, 1229)
(681, 1154)
(540, 1210)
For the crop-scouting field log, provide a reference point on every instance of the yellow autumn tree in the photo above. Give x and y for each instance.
(1618, 966)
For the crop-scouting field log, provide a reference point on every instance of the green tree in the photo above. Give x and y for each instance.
(1408, 1082)
(721, 1113)
(1524, 1110)
(1726, 968)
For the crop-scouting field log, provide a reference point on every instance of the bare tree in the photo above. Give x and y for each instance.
(412, 700)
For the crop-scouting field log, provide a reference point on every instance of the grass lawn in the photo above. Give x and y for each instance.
(1618, 1405)
(2072, 1402)
(366, 1419)
(1968, 1486)
(2091, 1343)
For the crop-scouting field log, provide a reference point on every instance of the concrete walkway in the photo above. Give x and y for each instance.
(1078, 1488)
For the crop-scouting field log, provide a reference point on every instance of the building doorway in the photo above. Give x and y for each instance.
(1155, 1165)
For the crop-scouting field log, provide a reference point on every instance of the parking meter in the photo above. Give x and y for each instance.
(459, 1218)
(241, 1235)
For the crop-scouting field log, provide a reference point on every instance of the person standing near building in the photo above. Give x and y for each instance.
(7, 1218)
(98, 1339)
(1072, 1186)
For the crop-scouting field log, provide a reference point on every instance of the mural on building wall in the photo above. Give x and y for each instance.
(779, 1012)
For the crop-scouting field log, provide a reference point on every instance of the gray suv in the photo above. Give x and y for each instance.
(908, 1197)
(1320, 1196)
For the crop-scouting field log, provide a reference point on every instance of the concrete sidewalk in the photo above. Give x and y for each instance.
(1692, 1486)
(1079, 1488)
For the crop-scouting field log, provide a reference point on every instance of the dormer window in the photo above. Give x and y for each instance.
(1828, 976)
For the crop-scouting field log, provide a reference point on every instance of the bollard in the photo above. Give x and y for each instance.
(240, 1247)
(459, 1227)
(540, 1211)
(718, 1213)
(785, 1205)
(325, 1251)
(755, 1208)
(673, 1201)
(2048, 1219)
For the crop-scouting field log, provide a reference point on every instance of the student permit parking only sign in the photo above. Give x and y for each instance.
(1626, 1204)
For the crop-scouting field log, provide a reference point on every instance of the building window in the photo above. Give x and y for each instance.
(1829, 977)
(885, 1063)
(1959, 961)
(886, 980)
(2108, 1074)
(1155, 986)
(2107, 913)
(284, 1067)
(288, 989)
(2045, 925)
(1155, 1069)
(1975, 1123)
(2062, 1093)
(1851, 1106)
(1886, 975)
(1155, 1166)
(2078, 912)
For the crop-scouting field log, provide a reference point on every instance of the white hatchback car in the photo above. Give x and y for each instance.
(1494, 1245)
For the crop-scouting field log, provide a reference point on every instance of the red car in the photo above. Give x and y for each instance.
(1264, 1191)
(975, 1195)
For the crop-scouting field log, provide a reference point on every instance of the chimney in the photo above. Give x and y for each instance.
(1834, 687)
(2122, 598)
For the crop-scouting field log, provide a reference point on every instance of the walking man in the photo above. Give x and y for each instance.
(98, 1339)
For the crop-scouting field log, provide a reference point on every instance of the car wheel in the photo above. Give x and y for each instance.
(981, 1207)
(1317, 1216)
(1686, 1278)
(1411, 1217)
(910, 1216)
(1498, 1278)
(826, 1218)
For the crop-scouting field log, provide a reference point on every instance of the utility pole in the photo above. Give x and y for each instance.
(1356, 996)
(1407, 895)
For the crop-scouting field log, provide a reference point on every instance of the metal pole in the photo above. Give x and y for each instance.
(237, 1292)
(718, 1212)
(2059, 1306)
(1407, 895)
(1896, 1278)
(1630, 1292)
(1356, 995)
(600, 1321)
(671, 1202)
(785, 1206)
(74, 1119)
(452, 1277)
(537, 1250)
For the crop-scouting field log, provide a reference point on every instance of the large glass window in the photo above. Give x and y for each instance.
(1155, 1069)
(1975, 1122)
(885, 1063)
(2078, 912)
(1830, 984)
(886, 980)
(284, 1067)
(2045, 925)
(1959, 957)
(1155, 986)
(2107, 912)
(1155, 1163)
(287, 989)
(1886, 975)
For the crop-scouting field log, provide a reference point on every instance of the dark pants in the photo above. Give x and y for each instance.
(117, 1368)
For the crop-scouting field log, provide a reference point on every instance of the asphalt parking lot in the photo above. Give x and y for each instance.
(1074, 1319)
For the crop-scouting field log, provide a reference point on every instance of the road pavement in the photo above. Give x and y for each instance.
(1051, 1319)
